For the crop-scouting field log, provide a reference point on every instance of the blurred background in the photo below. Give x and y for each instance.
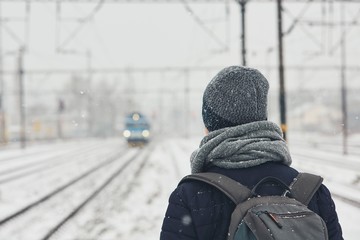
(100, 104)
(73, 69)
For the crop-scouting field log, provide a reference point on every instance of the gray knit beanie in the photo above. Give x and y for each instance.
(235, 96)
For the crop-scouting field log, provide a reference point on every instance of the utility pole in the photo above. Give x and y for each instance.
(89, 92)
(243, 45)
(187, 120)
(3, 139)
(60, 110)
(282, 95)
(21, 98)
(343, 80)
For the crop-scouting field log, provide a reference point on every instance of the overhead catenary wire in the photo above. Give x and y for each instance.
(200, 22)
(171, 1)
(90, 16)
(345, 31)
(16, 38)
(296, 20)
(332, 67)
(81, 23)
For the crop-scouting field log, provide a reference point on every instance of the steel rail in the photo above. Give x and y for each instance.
(347, 200)
(51, 160)
(31, 172)
(76, 210)
(60, 189)
(11, 158)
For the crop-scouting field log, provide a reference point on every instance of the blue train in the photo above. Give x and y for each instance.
(137, 129)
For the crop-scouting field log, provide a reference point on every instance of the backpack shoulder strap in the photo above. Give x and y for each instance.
(305, 186)
(231, 188)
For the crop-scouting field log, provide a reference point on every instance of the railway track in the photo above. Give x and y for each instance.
(15, 173)
(333, 147)
(80, 204)
(350, 201)
(326, 164)
(116, 162)
(57, 190)
(54, 150)
(328, 160)
(18, 192)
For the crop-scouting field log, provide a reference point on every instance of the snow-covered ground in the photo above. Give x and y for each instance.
(133, 205)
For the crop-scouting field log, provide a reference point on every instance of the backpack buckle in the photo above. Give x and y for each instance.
(287, 193)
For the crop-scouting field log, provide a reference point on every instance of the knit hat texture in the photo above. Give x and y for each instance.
(235, 96)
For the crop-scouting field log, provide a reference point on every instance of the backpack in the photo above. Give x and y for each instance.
(270, 217)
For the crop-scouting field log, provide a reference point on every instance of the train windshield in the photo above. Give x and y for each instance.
(137, 125)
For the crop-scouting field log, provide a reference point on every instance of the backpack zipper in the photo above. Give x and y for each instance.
(272, 217)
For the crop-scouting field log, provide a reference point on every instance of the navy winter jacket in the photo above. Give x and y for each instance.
(200, 211)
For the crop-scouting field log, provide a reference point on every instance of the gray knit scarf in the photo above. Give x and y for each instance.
(241, 146)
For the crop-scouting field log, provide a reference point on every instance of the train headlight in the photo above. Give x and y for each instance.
(127, 133)
(136, 117)
(145, 133)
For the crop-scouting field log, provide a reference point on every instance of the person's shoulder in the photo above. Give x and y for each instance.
(322, 202)
(251, 176)
(191, 188)
(196, 194)
(323, 196)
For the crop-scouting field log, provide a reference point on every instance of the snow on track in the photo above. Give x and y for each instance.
(133, 205)
(45, 216)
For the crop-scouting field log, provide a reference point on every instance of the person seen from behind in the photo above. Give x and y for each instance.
(241, 144)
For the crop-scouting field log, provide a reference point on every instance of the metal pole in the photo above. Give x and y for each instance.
(58, 26)
(282, 95)
(3, 139)
(243, 43)
(27, 22)
(89, 95)
(161, 106)
(343, 81)
(60, 110)
(187, 120)
(21, 99)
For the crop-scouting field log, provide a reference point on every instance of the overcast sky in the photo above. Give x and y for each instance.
(129, 35)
